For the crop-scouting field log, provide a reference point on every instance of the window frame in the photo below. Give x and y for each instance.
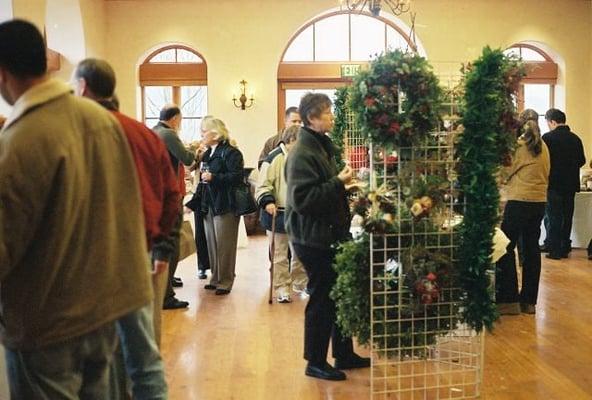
(537, 72)
(323, 74)
(173, 74)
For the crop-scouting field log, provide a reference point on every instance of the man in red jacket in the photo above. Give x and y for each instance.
(95, 79)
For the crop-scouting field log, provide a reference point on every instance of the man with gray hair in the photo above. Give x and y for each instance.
(167, 129)
(95, 79)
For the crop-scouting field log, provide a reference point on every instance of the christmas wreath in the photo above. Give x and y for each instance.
(489, 135)
(396, 101)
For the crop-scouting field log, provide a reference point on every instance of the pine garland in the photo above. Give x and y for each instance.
(486, 142)
(340, 125)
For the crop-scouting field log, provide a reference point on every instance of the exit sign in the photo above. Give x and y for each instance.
(350, 70)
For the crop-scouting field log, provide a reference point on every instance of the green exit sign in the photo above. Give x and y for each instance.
(350, 70)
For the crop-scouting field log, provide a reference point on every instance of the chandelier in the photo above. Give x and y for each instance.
(397, 7)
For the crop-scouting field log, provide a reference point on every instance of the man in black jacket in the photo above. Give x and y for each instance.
(317, 217)
(567, 157)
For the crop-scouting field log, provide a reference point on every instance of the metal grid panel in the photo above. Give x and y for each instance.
(355, 145)
(420, 350)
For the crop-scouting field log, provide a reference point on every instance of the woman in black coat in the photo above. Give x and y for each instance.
(220, 173)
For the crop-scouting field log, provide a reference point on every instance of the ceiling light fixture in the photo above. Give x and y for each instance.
(397, 7)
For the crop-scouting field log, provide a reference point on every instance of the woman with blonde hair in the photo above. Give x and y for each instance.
(221, 172)
(526, 192)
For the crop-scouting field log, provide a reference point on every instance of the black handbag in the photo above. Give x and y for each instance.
(244, 201)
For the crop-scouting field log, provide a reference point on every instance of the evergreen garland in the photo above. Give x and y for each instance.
(340, 125)
(488, 138)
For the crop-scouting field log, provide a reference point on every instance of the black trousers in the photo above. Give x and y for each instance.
(319, 316)
(174, 261)
(521, 220)
(201, 243)
(559, 218)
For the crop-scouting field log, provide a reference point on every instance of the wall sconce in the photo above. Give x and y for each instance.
(242, 100)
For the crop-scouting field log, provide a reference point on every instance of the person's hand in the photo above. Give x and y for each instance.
(346, 174)
(271, 208)
(206, 176)
(160, 267)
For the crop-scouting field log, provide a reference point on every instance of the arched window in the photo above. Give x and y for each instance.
(175, 74)
(326, 52)
(537, 89)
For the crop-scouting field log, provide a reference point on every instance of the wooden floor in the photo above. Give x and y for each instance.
(238, 347)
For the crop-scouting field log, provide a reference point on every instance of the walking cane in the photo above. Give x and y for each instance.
(271, 257)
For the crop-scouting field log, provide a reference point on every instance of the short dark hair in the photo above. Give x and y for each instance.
(99, 76)
(169, 112)
(556, 115)
(312, 105)
(291, 110)
(22, 49)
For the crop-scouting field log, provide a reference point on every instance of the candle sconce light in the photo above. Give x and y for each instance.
(243, 102)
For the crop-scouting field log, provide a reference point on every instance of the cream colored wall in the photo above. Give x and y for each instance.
(93, 21)
(247, 42)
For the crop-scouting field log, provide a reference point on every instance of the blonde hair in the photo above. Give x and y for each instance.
(215, 125)
(532, 136)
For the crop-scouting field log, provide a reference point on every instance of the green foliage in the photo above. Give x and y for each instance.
(396, 77)
(489, 136)
(352, 289)
(340, 125)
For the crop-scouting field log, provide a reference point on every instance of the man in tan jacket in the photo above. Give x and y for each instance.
(73, 252)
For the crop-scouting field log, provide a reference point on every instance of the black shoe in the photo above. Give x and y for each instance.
(202, 274)
(553, 256)
(222, 292)
(544, 248)
(324, 372)
(177, 282)
(351, 362)
(173, 304)
(210, 287)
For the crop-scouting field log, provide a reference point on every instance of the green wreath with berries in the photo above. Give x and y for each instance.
(396, 101)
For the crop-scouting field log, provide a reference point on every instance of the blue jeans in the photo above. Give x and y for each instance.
(559, 214)
(72, 370)
(143, 363)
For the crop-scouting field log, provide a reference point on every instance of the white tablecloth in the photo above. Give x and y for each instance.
(581, 231)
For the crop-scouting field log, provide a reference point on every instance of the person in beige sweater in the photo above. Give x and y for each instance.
(73, 255)
(288, 273)
(526, 193)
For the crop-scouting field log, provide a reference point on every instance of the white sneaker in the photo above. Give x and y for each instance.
(284, 298)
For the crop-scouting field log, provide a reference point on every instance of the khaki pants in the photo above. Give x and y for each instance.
(159, 285)
(221, 235)
(286, 274)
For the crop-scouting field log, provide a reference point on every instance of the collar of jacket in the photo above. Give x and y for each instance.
(164, 124)
(313, 138)
(561, 129)
(35, 96)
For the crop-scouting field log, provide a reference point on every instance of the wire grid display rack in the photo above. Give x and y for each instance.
(420, 349)
(355, 146)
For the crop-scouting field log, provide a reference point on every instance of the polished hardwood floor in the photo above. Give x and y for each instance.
(241, 348)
